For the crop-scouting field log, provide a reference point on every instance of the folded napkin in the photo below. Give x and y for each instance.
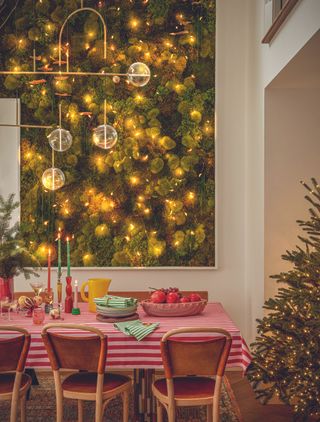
(116, 301)
(137, 329)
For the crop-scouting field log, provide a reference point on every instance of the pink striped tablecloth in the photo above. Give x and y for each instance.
(127, 352)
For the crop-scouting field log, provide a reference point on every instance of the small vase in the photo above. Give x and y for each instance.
(68, 303)
(7, 288)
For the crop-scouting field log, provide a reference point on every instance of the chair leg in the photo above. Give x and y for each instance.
(80, 411)
(159, 412)
(216, 399)
(216, 413)
(99, 411)
(125, 403)
(209, 413)
(59, 396)
(59, 409)
(23, 401)
(171, 413)
(13, 412)
(15, 397)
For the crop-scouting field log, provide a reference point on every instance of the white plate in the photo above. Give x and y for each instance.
(108, 311)
(115, 314)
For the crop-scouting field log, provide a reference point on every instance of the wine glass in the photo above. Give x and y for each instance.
(13, 307)
(4, 302)
(7, 305)
(37, 287)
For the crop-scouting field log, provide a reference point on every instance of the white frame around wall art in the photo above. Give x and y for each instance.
(208, 234)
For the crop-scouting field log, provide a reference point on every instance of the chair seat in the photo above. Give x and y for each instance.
(7, 382)
(86, 382)
(188, 387)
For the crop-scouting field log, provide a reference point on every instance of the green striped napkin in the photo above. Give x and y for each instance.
(137, 329)
(116, 301)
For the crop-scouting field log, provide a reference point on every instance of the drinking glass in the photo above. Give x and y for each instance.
(4, 302)
(7, 306)
(38, 316)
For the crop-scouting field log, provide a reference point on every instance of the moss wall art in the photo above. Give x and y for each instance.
(150, 200)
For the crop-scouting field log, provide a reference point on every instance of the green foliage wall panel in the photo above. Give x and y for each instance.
(150, 201)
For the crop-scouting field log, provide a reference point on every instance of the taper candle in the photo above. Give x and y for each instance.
(68, 258)
(49, 269)
(59, 255)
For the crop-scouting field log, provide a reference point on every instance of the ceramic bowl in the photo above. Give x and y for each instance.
(173, 309)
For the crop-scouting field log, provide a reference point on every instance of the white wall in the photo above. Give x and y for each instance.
(291, 76)
(9, 150)
(292, 154)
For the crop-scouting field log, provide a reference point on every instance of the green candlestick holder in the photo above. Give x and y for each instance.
(75, 311)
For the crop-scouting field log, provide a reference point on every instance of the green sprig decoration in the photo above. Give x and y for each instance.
(14, 256)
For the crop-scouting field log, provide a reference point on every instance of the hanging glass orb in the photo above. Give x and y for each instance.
(53, 178)
(105, 136)
(139, 74)
(60, 139)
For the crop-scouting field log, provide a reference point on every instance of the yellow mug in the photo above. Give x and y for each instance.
(97, 287)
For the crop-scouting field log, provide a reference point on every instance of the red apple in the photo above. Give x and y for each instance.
(194, 297)
(184, 299)
(158, 297)
(172, 297)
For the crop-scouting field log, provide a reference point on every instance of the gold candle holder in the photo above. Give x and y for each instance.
(59, 296)
(48, 300)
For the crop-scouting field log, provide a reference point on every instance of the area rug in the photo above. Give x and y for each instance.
(41, 407)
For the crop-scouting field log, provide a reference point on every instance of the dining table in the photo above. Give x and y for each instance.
(126, 353)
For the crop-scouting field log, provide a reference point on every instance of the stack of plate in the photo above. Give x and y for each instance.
(107, 311)
(115, 308)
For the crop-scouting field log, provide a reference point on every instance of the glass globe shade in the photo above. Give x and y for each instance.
(53, 178)
(139, 74)
(105, 136)
(60, 139)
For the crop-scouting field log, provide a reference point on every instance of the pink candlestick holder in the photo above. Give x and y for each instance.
(68, 303)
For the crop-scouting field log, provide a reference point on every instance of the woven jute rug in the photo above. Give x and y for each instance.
(41, 407)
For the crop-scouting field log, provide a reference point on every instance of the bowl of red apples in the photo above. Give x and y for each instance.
(170, 303)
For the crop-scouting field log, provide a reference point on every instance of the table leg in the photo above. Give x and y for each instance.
(143, 399)
(33, 375)
(34, 379)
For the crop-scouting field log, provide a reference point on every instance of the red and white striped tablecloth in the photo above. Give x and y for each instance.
(125, 351)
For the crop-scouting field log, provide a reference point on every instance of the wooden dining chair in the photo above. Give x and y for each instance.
(193, 371)
(85, 353)
(14, 383)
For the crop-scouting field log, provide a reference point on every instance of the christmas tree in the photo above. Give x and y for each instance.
(150, 200)
(14, 256)
(286, 352)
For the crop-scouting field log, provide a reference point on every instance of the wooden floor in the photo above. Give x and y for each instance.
(251, 410)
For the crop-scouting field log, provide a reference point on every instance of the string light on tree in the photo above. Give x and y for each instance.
(139, 98)
(87, 98)
(134, 23)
